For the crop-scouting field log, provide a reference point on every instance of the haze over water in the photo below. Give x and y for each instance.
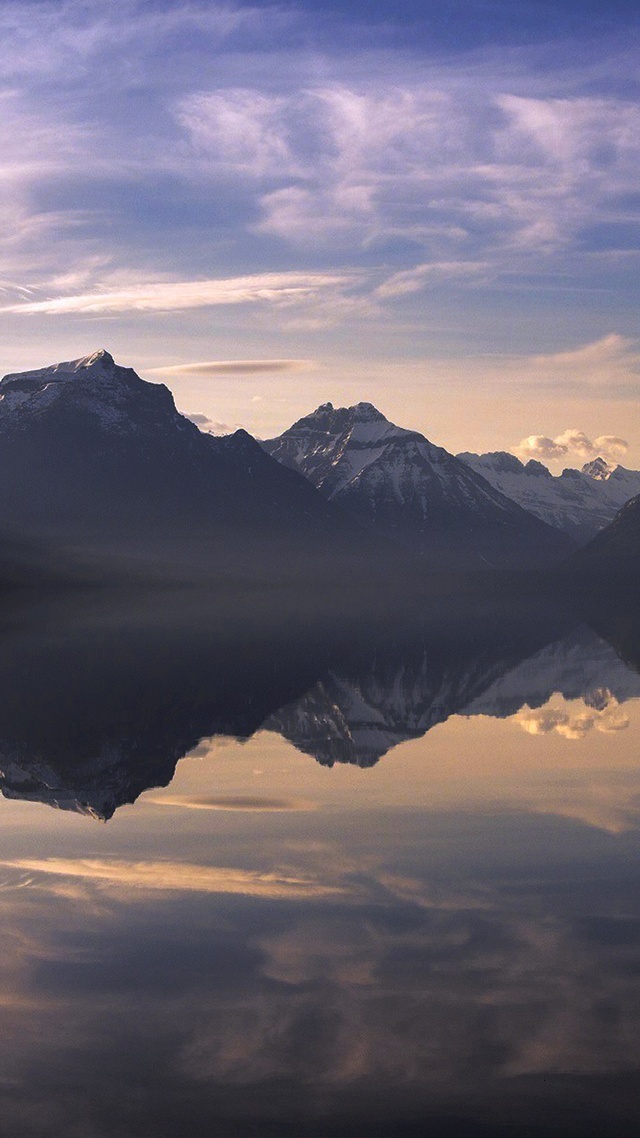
(392, 885)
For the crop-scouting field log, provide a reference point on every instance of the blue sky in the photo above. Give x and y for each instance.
(433, 206)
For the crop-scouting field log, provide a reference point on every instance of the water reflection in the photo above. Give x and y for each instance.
(447, 942)
(357, 713)
(98, 704)
(486, 986)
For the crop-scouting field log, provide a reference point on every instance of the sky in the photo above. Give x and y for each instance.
(433, 206)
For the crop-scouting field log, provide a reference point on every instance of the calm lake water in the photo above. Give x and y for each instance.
(318, 876)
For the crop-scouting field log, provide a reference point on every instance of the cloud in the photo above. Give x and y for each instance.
(578, 443)
(415, 280)
(177, 876)
(243, 803)
(222, 157)
(539, 447)
(599, 356)
(243, 128)
(213, 426)
(571, 442)
(574, 721)
(165, 296)
(233, 367)
(443, 156)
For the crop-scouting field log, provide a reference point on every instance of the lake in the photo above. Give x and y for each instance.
(270, 866)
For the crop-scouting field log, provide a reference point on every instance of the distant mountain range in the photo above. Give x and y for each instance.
(97, 463)
(579, 502)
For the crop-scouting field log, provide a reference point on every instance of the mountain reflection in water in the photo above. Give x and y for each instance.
(98, 703)
(445, 943)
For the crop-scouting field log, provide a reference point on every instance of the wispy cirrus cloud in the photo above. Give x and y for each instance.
(429, 275)
(450, 159)
(176, 876)
(607, 368)
(164, 296)
(150, 152)
(475, 168)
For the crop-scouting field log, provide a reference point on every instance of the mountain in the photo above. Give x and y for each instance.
(579, 502)
(395, 482)
(615, 551)
(96, 458)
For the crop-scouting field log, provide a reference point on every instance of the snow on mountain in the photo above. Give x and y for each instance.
(579, 502)
(114, 397)
(599, 469)
(398, 483)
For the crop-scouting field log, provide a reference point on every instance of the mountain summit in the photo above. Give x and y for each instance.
(598, 468)
(398, 483)
(110, 398)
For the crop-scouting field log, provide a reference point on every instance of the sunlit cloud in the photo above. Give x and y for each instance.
(571, 442)
(212, 426)
(573, 721)
(166, 296)
(176, 876)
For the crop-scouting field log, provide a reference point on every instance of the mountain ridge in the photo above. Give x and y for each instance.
(579, 502)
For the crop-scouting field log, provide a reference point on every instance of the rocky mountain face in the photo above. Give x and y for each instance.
(579, 502)
(94, 456)
(399, 485)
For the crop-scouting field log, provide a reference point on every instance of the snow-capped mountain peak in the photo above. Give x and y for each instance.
(114, 397)
(91, 366)
(599, 469)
